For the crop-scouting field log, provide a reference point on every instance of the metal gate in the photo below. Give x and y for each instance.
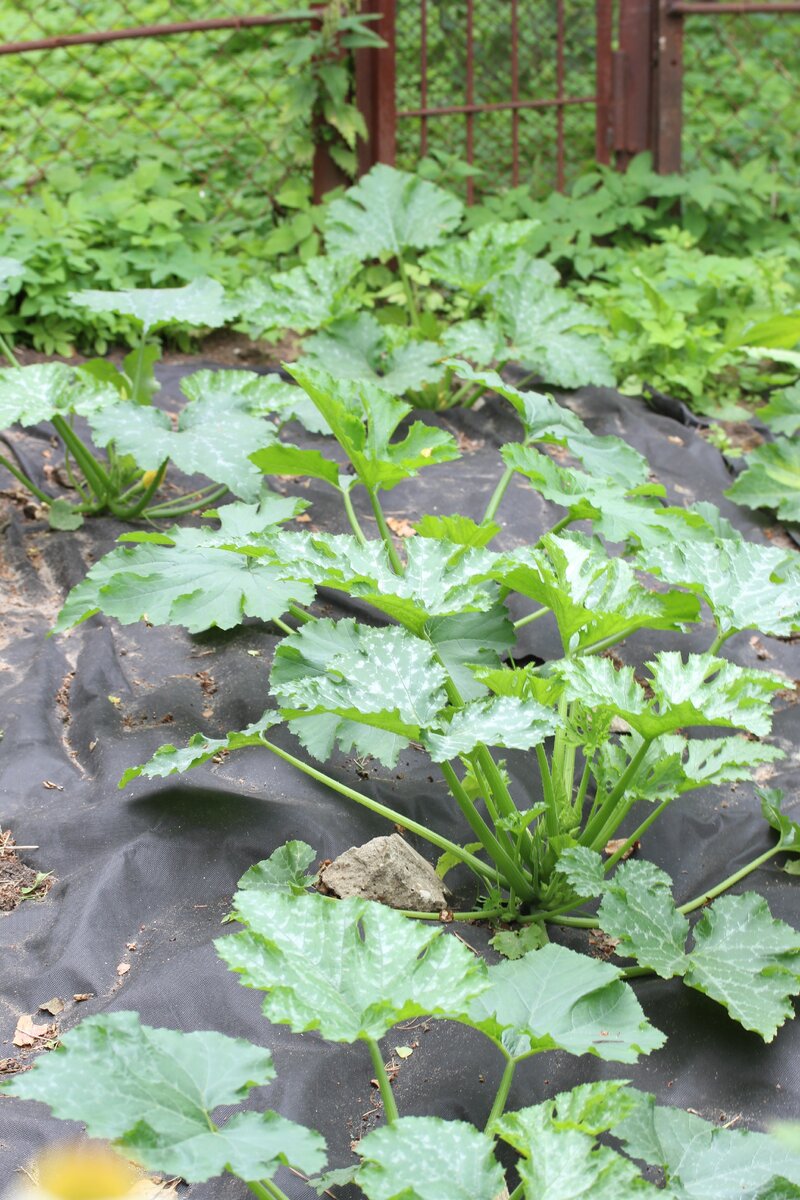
(690, 78)
(518, 90)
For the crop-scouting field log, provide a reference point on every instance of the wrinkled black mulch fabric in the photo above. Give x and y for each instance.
(157, 864)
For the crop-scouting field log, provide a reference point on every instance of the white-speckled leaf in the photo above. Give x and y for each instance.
(425, 1158)
(706, 1162)
(260, 395)
(701, 690)
(360, 348)
(310, 296)
(747, 961)
(154, 1092)
(215, 437)
(469, 263)
(389, 211)
(639, 911)
(350, 969)
(583, 870)
(174, 760)
(747, 586)
(200, 303)
(352, 671)
(539, 320)
(496, 721)
(198, 588)
(555, 998)
(592, 596)
(35, 393)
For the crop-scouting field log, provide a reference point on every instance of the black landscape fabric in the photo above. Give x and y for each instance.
(143, 878)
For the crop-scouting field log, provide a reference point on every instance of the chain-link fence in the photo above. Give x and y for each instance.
(200, 114)
(510, 87)
(741, 90)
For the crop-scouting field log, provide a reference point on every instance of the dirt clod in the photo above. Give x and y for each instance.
(388, 870)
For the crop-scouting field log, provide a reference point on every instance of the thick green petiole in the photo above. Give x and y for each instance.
(355, 524)
(498, 493)
(604, 821)
(93, 473)
(24, 480)
(386, 533)
(719, 888)
(180, 509)
(387, 1095)
(501, 1099)
(397, 818)
(266, 1189)
(408, 288)
(534, 616)
(506, 865)
(637, 833)
(130, 514)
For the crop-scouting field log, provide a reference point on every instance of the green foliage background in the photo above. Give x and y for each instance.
(152, 162)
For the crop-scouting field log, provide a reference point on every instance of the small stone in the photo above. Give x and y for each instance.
(388, 870)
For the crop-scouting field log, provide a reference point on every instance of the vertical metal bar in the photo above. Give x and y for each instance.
(515, 92)
(376, 95)
(560, 95)
(470, 97)
(668, 106)
(633, 83)
(326, 173)
(604, 79)
(423, 77)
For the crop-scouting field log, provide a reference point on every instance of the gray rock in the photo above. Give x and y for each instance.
(389, 870)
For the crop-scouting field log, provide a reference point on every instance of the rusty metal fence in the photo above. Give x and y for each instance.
(524, 91)
(517, 89)
(101, 86)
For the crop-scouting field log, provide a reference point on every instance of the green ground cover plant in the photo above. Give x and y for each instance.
(607, 744)
(351, 970)
(155, 162)
(771, 478)
(400, 290)
(409, 277)
(214, 434)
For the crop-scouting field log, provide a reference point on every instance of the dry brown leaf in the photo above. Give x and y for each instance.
(28, 1033)
(54, 1006)
(613, 846)
(761, 650)
(401, 526)
(79, 997)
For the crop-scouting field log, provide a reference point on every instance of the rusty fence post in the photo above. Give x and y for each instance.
(376, 88)
(668, 89)
(633, 81)
(604, 74)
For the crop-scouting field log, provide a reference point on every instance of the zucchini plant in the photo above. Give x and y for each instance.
(351, 970)
(401, 288)
(214, 434)
(771, 478)
(609, 746)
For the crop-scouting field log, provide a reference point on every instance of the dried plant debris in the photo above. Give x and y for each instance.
(18, 882)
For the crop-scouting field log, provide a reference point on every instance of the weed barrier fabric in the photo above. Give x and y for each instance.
(144, 878)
